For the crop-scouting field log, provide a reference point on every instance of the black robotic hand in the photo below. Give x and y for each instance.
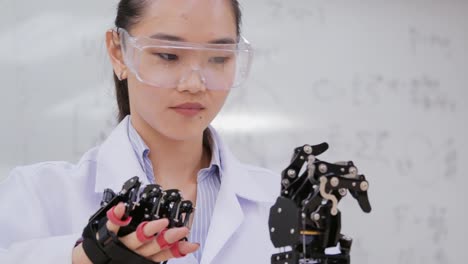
(104, 246)
(305, 217)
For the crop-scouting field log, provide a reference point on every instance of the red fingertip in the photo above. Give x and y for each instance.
(115, 220)
(141, 234)
(175, 251)
(162, 242)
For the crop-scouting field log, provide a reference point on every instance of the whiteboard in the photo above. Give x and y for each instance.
(383, 82)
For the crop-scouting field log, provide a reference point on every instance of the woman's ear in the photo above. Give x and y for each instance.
(115, 54)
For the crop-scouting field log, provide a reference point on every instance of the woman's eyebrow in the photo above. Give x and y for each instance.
(163, 36)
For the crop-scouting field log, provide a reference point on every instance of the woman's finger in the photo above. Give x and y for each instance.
(184, 248)
(150, 229)
(172, 235)
(119, 211)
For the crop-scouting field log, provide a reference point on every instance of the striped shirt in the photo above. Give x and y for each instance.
(208, 183)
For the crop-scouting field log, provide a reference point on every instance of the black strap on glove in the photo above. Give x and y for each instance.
(108, 249)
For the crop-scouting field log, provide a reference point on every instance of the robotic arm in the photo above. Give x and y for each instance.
(305, 218)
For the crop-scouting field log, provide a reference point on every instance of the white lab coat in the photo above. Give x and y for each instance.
(45, 206)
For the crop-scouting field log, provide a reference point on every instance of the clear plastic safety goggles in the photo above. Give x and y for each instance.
(166, 64)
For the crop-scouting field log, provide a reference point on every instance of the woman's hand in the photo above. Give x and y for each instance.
(149, 249)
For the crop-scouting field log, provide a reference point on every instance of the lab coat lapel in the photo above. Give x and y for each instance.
(228, 214)
(227, 217)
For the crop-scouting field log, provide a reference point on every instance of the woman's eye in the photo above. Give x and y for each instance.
(219, 60)
(167, 56)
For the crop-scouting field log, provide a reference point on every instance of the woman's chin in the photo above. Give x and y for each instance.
(183, 132)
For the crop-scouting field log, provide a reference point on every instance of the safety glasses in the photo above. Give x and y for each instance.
(167, 64)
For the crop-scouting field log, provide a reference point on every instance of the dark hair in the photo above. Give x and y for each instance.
(128, 14)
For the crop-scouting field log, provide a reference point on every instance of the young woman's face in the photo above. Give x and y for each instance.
(163, 110)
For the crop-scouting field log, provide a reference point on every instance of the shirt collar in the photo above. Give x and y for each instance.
(142, 150)
(215, 151)
(138, 144)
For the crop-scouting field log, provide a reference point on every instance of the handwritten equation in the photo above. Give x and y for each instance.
(422, 92)
(415, 157)
(300, 11)
(422, 42)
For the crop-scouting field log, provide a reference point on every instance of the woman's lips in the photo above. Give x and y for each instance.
(188, 109)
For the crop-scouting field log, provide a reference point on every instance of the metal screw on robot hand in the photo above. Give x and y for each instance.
(285, 182)
(315, 216)
(343, 191)
(334, 181)
(353, 171)
(308, 149)
(323, 168)
(291, 173)
(364, 186)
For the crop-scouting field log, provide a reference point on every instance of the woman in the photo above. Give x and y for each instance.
(174, 63)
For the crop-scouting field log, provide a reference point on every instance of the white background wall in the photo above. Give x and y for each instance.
(383, 82)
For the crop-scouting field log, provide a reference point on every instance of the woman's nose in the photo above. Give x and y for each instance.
(192, 82)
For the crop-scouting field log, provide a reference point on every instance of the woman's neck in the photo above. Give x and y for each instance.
(175, 162)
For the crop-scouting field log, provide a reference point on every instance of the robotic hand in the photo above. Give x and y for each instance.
(305, 218)
(154, 203)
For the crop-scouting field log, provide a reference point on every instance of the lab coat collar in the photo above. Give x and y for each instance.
(116, 161)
